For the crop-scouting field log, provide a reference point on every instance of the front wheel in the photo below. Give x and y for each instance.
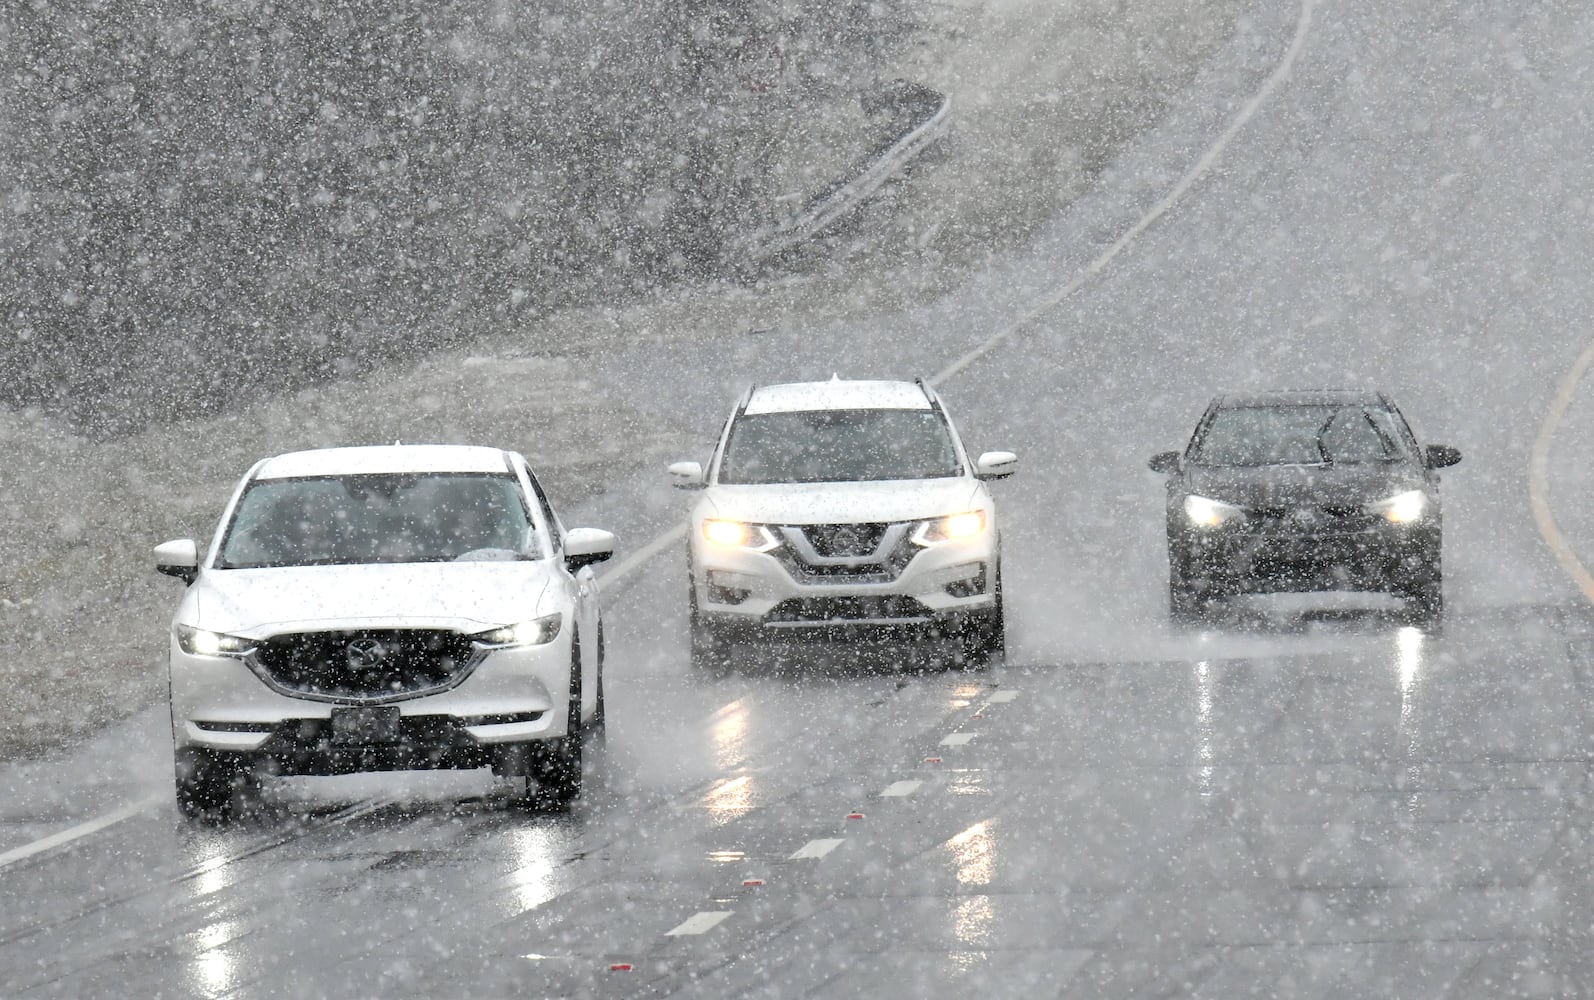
(1185, 602)
(1424, 591)
(554, 774)
(711, 649)
(211, 785)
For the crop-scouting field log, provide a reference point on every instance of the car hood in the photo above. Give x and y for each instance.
(844, 503)
(1294, 485)
(466, 597)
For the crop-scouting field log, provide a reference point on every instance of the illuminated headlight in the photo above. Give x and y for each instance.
(1208, 513)
(199, 642)
(537, 632)
(736, 535)
(1402, 508)
(950, 528)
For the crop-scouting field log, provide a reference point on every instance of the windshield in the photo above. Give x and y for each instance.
(837, 446)
(1299, 435)
(375, 519)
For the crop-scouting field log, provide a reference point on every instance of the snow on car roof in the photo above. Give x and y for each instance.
(837, 395)
(1303, 397)
(384, 459)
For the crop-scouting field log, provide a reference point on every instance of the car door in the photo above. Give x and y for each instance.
(582, 590)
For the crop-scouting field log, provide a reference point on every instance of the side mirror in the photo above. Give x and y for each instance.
(585, 546)
(1441, 456)
(687, 476)
(179, 558)
(995, 465)
(1165, 462)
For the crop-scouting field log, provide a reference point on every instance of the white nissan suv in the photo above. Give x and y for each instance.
(842, 508)
(384, 608)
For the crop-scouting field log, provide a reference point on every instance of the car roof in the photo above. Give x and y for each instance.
(379, 459)
(1303, 397)
(837, 394)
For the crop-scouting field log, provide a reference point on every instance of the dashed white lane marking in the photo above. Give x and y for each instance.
(1050, 300)
(900, 789)
(817, 848)
(957, 739)
(77, 832)
(999, 697)
(699, 923)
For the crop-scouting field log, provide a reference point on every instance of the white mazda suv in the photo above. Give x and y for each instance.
(841, 509)
(384, 608)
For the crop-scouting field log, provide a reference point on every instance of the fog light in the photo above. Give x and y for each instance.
(970, 586)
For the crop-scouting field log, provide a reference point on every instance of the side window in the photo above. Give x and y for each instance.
(548, 515)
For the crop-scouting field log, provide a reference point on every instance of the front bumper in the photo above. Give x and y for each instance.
(511, 696)
(938, 589)
(1382, 559)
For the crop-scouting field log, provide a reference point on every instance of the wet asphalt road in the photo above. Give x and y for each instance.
(1309, 798)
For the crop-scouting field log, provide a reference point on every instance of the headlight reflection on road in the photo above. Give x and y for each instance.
(1408, 664)
(730, 736)
(536, 855)
(1204, 752)
(730, 799)
(212, 970)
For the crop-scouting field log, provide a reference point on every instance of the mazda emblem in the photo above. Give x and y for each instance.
(365, 654)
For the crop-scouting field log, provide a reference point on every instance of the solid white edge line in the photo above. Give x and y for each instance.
(1203, 166)
(77, 832)
(635, 561)
(699, 923)
(1538, 475)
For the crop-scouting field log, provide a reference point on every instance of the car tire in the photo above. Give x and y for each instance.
(211, 785)
(556, 764)
(984, 638)
(1424, 591)
(711, 648)
(1186, 602)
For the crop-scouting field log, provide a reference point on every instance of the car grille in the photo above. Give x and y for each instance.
(841, 554)
(1312, 519)
(837, 540)
(367, 665)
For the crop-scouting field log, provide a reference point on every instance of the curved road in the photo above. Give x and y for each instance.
(1310, 799)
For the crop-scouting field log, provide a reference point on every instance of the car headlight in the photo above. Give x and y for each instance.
(1206, 512)
(200, 642)
(1402, 508)
(537, 632)
(950, 528)
(736, 535)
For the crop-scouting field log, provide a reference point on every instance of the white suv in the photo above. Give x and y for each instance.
(844, 507)
(385, 608)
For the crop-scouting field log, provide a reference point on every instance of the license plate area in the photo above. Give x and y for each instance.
(363, 727)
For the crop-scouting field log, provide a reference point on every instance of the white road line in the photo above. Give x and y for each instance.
(1538, 475)
(636, 559)
(699, 923)
(1001, 696)
(1051, 299)
(78, 832)
(817, 848)
(900, 789)
(957, 739)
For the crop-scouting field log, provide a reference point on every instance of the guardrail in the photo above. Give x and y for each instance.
(826, 208)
